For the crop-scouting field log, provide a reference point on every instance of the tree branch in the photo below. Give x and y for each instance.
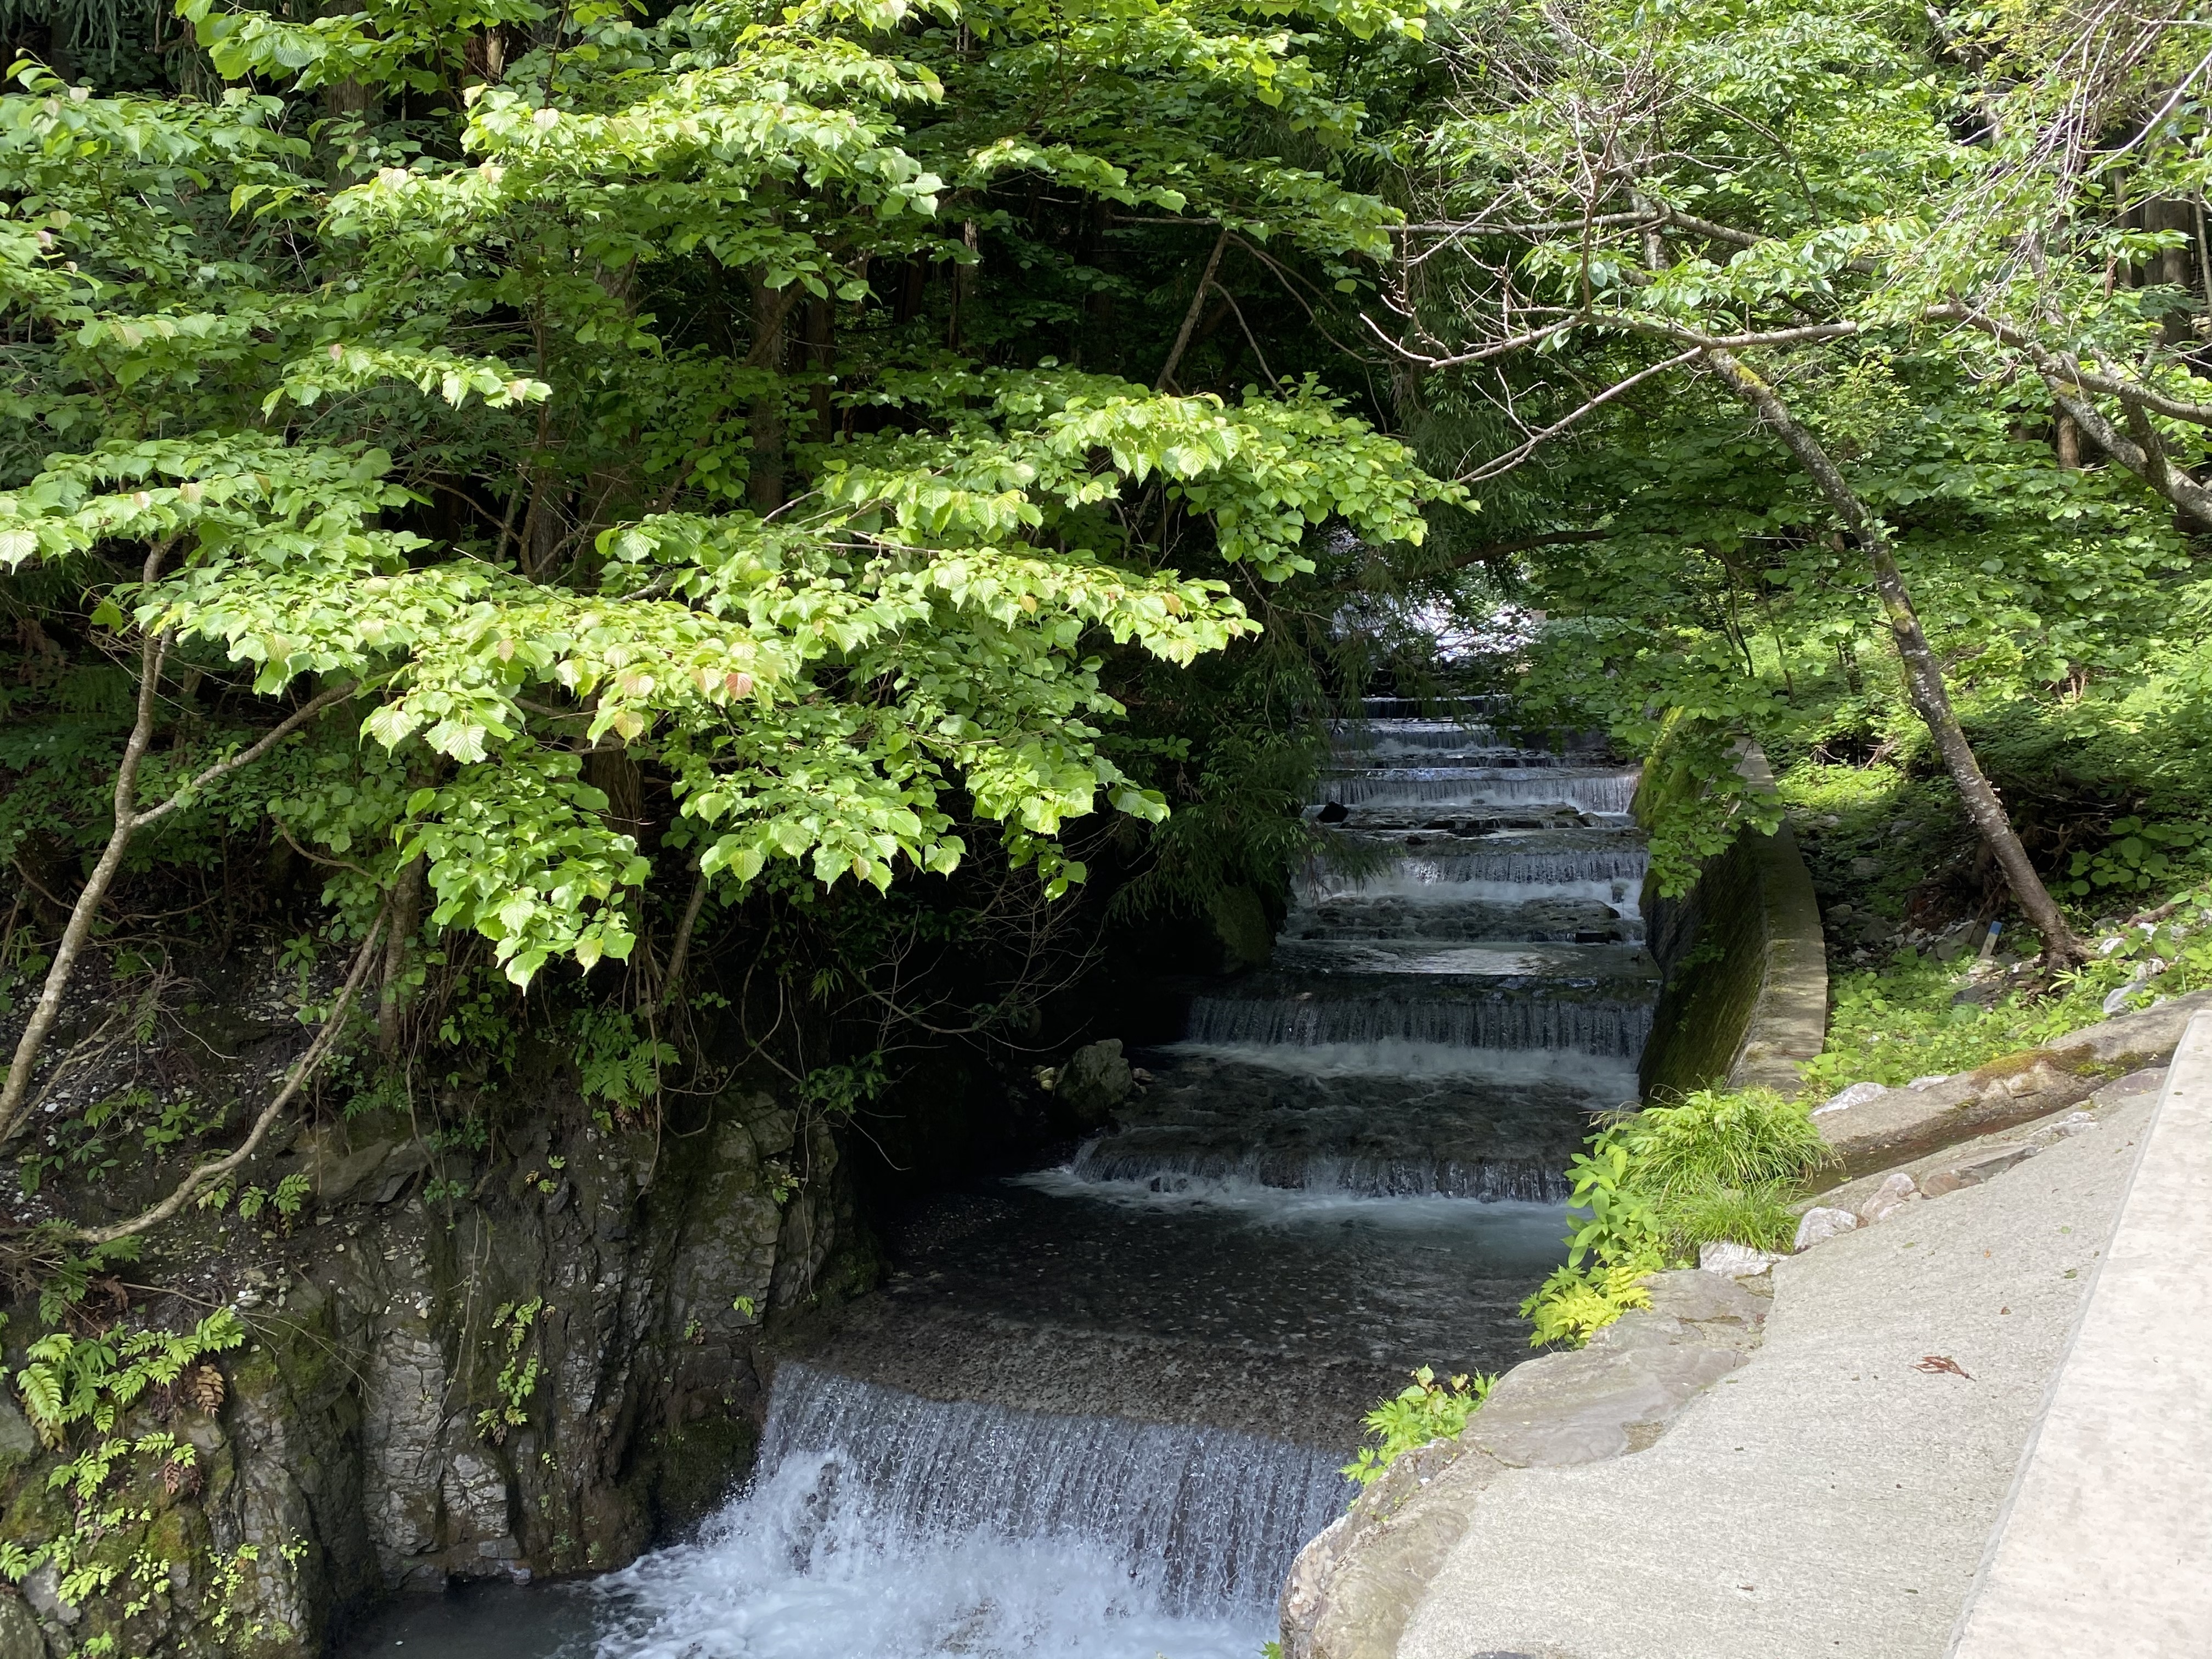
(1190, 317)
(207, 1175)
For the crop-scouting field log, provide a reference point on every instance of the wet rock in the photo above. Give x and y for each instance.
(1821, 1223)
(1897, 1190)
(19, 1631)
(1844, 1099)
(1095, 1080)
(1973, 1172)
(1730, 1259)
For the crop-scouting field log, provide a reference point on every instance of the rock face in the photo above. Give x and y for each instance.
(366, 1443)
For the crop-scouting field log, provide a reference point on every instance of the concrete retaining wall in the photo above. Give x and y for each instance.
(1746, 1000)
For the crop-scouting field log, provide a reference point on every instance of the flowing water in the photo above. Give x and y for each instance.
(1101, 1406)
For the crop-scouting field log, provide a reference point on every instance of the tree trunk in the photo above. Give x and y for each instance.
(16, 1094)
(765, 421)
(1932, 698)
(406, 914)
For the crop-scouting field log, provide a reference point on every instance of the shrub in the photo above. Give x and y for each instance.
(1423, 1411)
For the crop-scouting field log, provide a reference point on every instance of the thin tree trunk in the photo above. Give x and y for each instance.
(15, 1094)
(765, 421)
(406, 914)
(681, 950)
(1190, 317)
(1932, 698)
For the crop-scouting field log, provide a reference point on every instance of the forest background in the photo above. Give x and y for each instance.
(744, 536)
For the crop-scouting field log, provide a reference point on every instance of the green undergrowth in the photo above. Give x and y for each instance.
(1721, 1165)
(1656, 1184)
(1921, 1017)
(1425, 1409)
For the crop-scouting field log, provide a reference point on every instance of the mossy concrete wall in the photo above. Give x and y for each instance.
(1745, 998)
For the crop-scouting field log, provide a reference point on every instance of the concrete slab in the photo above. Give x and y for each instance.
(2106, 1547)
(1833, 1496)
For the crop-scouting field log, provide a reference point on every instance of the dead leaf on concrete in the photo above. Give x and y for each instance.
(1940, 1362)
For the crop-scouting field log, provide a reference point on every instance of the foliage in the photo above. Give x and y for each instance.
(77, 1392)
(1425, 1410)
(829, 577)
(518, 1377)
(1574, 1304)
(67, 1380)
(1657, 1184)
(1797, 183)
(1906, 1020)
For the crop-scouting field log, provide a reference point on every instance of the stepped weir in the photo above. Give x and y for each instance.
(1106, 1403)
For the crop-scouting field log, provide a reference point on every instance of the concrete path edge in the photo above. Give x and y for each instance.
(2102, 1546)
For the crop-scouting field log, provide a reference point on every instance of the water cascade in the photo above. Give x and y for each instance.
(1101, 1405)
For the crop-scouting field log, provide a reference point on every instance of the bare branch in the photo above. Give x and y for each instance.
(205, 1176)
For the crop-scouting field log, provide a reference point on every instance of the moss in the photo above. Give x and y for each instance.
(1240, 921)
(1712, 983)
(697, 1466)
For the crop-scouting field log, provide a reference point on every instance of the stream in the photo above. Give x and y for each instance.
(1103, 1406)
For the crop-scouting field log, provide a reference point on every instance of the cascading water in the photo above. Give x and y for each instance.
(1103, 1405)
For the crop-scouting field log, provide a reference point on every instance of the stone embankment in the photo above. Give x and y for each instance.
(1795, 1455)
(531, 1355)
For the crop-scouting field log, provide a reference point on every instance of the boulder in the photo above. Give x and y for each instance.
(1897, 1190)
(1821, 1222)
(1730, 1259)
(1095, 1080)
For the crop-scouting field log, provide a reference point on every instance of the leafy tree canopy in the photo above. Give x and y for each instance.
(705, 390)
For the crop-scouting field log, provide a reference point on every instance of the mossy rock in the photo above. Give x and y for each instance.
(698, 1466)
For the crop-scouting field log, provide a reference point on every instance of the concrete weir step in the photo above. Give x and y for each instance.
(1921, 1437)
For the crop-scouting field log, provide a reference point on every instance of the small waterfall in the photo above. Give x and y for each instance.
(879, 1525)
(1586, 790)
(1413, 736)
(1220, 1175)
(1575, 867)
(1501, 1019)
(1207, 1519)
